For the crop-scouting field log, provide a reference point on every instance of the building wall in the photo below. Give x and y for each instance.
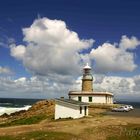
(95, 98)
(99, 99)
(110, 99)
(65, 110)
(87, 85)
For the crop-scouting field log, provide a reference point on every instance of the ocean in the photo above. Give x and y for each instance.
(134, 104)
(11, 105)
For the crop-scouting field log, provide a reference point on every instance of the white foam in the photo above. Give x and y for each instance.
(9, 110)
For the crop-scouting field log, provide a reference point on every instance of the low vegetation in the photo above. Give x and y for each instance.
(104, 106)
(119, 132)
(25, 121)
(41, 135)
(97, 126)
(38, 112)
(130, 132)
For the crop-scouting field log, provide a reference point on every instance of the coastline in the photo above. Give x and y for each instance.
(101, 124)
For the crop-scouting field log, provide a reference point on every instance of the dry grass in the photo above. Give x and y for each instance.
(95, 127)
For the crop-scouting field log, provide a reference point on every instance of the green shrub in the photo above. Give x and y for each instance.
(25, 121)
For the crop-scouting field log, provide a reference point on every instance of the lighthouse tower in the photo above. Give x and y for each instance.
(87, 80)
(87, 94)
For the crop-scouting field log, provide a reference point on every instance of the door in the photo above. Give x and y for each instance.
(85, 110)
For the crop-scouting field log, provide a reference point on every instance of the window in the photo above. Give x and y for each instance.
(80, 110)
(80, 98)
(90, 99)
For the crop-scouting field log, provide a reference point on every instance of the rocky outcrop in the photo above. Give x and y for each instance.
(44, 107)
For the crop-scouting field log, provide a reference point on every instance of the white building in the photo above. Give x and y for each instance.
(77, 104)
(92, 97)
(67, 108)
(87, 94)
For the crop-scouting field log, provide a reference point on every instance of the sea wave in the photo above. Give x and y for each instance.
(9, 110)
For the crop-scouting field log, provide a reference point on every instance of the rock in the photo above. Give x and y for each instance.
(5, 115)
(45, 107)
(17, 112)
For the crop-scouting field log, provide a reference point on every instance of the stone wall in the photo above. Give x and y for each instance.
(87, 85)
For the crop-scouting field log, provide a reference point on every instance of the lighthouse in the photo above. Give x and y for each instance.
(76, 106)
(87, 94)
(87, 80)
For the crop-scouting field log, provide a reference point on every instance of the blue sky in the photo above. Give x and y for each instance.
(102, 21)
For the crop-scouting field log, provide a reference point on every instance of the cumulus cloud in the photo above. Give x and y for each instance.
(5, 70)
(129, 43)
(55, 51)
(51, 48)
(136, 88)
(34, 87)
(18, 51)
(42, 87)
(115, 58)
(123, 88)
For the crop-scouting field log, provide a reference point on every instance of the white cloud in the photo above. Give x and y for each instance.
(118, 85)
(42, 87)
(18, 51)
(51, 48)
(137, 84)
(34, 87)
(21, 80)
(129, 43)
(5, 70)
(55, 51)
(123, 88)
(113, 58)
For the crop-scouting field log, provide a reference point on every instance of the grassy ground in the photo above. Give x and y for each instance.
(41, 135)
(25, 121)
(119, 132)
(98, 126)
(130, 132)
(104, 106)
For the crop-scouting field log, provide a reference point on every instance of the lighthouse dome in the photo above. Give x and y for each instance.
(87, 66)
